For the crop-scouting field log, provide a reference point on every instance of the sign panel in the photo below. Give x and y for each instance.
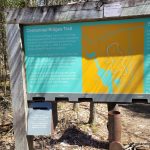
(101, 57)
(39, 118)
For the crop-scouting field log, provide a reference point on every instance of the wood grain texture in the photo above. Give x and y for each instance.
(128, 8)
(19, 103)
(78, 11)
(55, 13)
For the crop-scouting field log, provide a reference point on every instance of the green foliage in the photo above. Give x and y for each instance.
(12, 3)
(15, 3)
(3, 3)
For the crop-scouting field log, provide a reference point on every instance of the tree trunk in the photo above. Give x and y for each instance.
(75, 106)
(92, 113)
(3, 59)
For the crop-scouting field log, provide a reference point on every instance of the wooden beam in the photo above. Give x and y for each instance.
(78, 11)
(19, 101)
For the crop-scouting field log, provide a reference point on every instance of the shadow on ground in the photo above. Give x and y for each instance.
(6, 146)
(143, 110)
(74, 136)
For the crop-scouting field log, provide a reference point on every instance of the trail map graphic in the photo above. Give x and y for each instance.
(113, 58)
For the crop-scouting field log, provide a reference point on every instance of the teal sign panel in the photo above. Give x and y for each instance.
(101, 57)
(53, 58)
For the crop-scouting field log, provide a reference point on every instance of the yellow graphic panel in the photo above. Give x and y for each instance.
(113, 58)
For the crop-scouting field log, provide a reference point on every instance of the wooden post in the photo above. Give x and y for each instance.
(114, 127)
(30, 142)
(92, 113)
(75, 106)
(54, 115)
(18, 91)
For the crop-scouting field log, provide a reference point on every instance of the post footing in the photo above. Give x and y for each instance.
(115, 146)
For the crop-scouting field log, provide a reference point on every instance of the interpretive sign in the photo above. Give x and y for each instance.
(76, 53)
(39, 118)
(101, 57)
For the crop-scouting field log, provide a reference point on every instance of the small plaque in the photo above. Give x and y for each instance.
(39, 119)
(113, 9)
